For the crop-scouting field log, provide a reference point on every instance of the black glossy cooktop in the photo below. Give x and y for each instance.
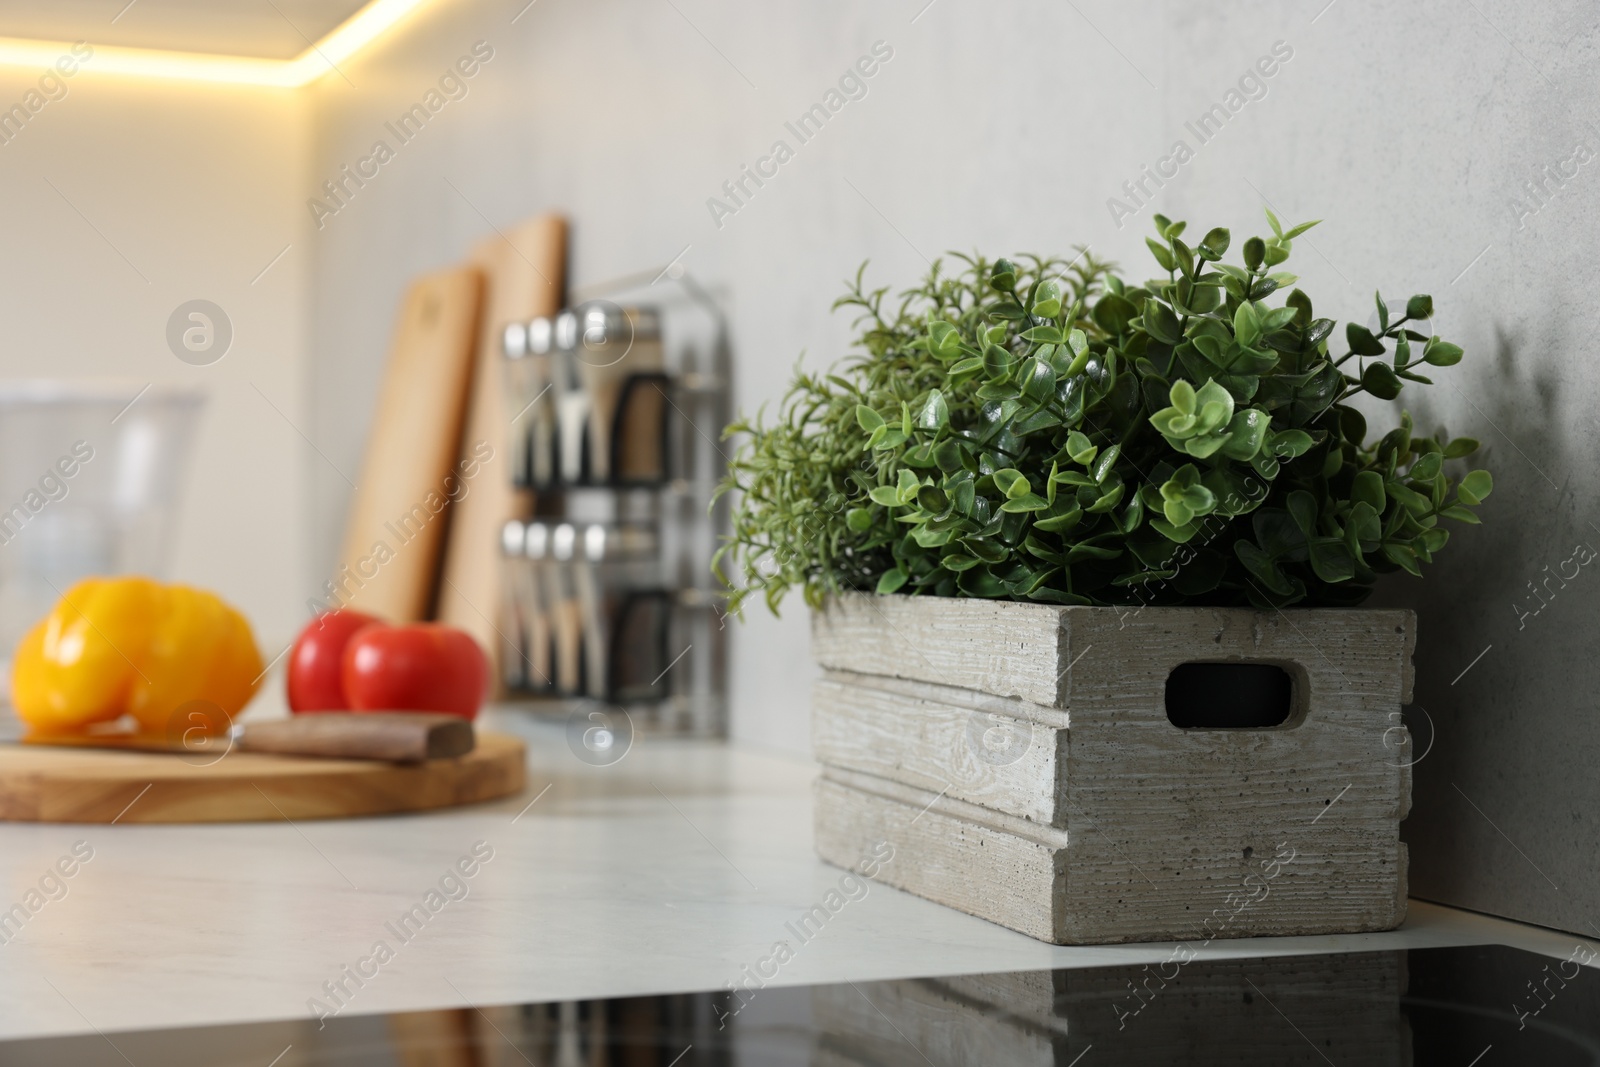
(1484, 1006)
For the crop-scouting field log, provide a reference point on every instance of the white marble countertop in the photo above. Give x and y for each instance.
(667, 872)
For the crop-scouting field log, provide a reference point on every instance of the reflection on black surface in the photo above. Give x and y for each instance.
(1465, 1007)
(1436, 1006)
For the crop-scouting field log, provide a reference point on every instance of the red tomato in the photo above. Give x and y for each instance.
(422, 667)
(316, 666)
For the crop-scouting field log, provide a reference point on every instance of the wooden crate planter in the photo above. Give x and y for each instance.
(1020, 760)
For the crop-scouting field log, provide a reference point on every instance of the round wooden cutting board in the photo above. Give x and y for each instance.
(43, 784)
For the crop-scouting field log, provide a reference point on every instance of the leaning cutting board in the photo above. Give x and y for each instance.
(395, 531)
(39, 784)
(525, 271)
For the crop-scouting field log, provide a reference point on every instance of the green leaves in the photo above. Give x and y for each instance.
(881, 434)
(1368, 489)
(1106, 464)
(1003, 279)
(1475, 488)
(1287, 444)
(1198, 421)
(944, 341)
(1162, 253)
(1037, 380)
(1079, 448)
(887, 495)
(904, 491)
(891, 581)
(1184, 499)
(1255, 250)
(1161, 323)
(932, 499)
(1379, 379)
(1113, 313)
(1439, 353)
(1246, 324)
(1331, 560)
(1263, 568)
(997, 363)
(1025, 503)
(1361, 340)
(1177, 422)
(1011, 482)
(1426, 468)
(1247, 432)
(1042, 429)
(1047, 300)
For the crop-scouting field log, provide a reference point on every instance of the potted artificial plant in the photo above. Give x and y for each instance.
(1084, 557)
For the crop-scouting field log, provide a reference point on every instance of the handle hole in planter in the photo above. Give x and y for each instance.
(1229, 696)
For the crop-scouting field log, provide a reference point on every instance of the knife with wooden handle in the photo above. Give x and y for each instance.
(391, 736)
(395, 736)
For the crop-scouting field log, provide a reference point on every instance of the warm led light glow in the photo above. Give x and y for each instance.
(343, 42)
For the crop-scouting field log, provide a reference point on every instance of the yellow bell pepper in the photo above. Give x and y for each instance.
(115, 646)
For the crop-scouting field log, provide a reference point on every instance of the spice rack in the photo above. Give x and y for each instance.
(616, 404)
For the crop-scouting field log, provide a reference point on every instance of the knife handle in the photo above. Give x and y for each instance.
(396, 736)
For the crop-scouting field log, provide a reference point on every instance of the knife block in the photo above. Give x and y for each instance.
(608, 590)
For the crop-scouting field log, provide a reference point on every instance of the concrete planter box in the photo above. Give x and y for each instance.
(1021, 761)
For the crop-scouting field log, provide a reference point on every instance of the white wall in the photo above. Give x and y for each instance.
(167, 193)
(624, 116)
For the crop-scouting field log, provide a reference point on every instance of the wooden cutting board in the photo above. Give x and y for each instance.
(42, 784)
(395, 532)
(525, 276)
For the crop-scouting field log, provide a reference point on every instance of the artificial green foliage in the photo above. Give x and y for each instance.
(1043, 430)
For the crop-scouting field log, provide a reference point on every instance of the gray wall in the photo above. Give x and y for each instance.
(1412, 129)
(1008, 127)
